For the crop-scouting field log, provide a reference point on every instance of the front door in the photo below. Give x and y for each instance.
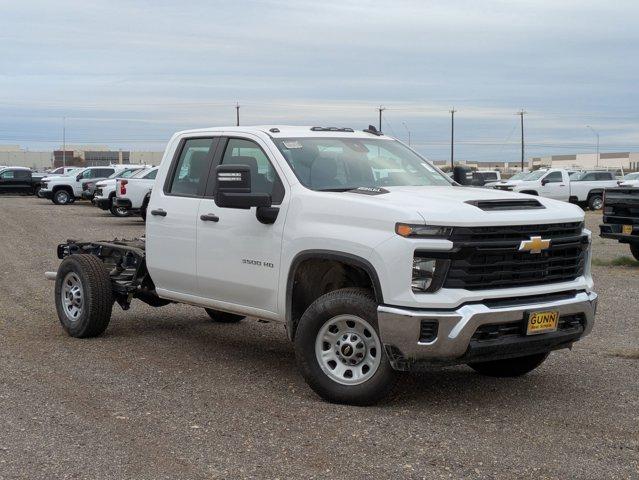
(172, 217)
(555, 186)
(238, 258)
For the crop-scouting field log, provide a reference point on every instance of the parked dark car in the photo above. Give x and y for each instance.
(20, 180)
(621, 217)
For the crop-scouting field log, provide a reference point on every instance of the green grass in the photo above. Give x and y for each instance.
(622, 261)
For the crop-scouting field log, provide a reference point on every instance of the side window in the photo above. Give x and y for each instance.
(104, 172)
(264, 178)
(90, 173)
(151, 175)
(8, 175)
(589, 177)
(23, 174)
(604, 176)
(553, 177)
(192, 168)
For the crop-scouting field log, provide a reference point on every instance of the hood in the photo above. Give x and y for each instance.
(453, 206)
(104, 183)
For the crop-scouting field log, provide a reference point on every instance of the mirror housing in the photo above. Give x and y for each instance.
(544, 182)
(460, 175)
(233, 188)
(78, 177)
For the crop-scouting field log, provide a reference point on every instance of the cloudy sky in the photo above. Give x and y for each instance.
(129, 73)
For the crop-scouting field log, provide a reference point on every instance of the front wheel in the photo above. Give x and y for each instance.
(634, 249)
(338, 349)
(595, 202)
(510, 367)
(62, 197)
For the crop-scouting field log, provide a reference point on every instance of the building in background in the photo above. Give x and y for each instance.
(628, 161)
(75, 155)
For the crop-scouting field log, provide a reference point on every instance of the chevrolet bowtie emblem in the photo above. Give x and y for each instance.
(534, 245)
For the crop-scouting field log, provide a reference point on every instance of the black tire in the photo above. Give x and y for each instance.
(634, 249)
(510, 367)
(595, 201)
(36, 190)
(119, 211)
(224, 317)
(96, 295)
(347, 301)
(145, 204)
(62, 197)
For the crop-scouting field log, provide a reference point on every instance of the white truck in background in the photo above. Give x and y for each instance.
(65, 189)
(104, 192)
(132, 194)
(372, 258)
(582, 188)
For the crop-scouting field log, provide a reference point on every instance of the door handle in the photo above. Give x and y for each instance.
(210, 217)
(159, 212)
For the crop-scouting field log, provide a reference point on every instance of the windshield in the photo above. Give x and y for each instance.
(536, 175)
(125, 173)
(519, 176)
(340, 164)
(140, 173)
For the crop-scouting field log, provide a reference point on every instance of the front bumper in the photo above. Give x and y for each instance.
(86, 195)
(122, 202)
(45, 194)
(101, 202)
(614, 231)
(455, 341)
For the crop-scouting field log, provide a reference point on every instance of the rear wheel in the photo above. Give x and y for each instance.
(634, 249)
(83, 296)
(223, 317)
(595, 202)
(62, 197)
(119, 211)
(510, 367)
(338, 349)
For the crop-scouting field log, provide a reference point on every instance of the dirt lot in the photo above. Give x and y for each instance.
(165, 393)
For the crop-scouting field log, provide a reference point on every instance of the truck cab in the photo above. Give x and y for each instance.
(372, 259)
(552, 183)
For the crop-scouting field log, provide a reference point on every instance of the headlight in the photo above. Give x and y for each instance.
(428, 274)
(425, 231)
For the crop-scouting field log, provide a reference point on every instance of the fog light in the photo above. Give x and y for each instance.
(423, 273)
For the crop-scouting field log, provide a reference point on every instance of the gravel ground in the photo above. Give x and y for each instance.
(165, 393)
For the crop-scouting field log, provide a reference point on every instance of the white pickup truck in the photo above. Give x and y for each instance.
(132, 194)
(104, 192)
(582, 188)
(65, 189)
(373, 259)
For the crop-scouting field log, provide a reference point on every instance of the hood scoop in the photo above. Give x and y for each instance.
(514, 204)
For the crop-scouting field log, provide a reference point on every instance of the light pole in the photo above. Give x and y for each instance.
(406, 127)
(64, 141)
(597, 135)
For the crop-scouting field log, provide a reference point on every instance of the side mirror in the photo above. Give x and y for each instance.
(460, 175)
(233, 188)
(544, 182)
(78, 178)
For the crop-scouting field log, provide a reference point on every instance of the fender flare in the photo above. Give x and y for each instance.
(347, 258)
(595, 191)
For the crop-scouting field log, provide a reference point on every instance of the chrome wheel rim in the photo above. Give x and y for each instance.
(62, 197)
(72, 296)
(121, 211)
(348, 350)
(597, 203)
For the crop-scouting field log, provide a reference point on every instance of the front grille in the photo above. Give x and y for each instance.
(621, 206)
(493, 331)
(489, 257)
(428, 331)
(98, 192)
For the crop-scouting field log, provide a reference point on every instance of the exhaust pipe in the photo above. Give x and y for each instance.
(50, 275)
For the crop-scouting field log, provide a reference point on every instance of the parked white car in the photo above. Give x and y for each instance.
(105, 190)
(66, 189)
(630, 180)
(509, 183)
(582, 188)
(132, 194)
(372, 258)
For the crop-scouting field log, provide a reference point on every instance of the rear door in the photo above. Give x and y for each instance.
(171, 220)
(22, 181)
(238, 258)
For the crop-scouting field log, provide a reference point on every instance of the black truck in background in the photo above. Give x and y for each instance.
(621, 217)
(20, 180)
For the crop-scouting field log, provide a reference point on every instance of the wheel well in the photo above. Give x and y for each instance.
(595, 192)
(530, 192)
(313, 276)
(63, 187)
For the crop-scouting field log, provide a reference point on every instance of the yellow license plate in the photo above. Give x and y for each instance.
(626, 229)
(542, 322)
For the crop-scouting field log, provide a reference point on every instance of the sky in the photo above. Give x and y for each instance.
(128, 74)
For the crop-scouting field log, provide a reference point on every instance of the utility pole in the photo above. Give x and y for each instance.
(597, 135)
(521, 114)
(237, 114)
(380, 109)
(406, 127)
(64, 141)
(452, 138)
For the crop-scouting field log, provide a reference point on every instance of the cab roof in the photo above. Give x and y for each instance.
(285, 131)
